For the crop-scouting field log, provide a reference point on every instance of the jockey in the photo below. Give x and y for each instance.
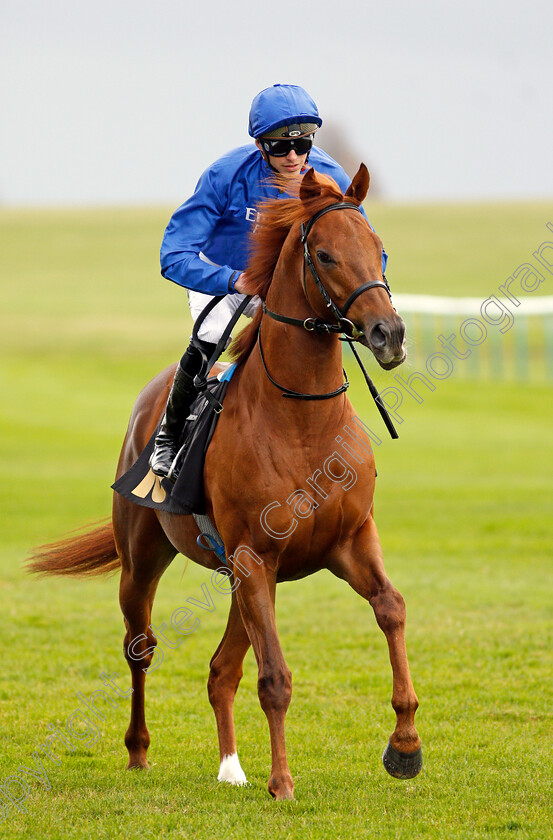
(205, 245)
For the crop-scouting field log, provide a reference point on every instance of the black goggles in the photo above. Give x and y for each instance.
(282, 146)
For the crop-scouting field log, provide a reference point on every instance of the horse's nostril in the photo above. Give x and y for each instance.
(379, 336)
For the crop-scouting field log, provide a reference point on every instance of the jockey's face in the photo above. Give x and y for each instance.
(288, 166)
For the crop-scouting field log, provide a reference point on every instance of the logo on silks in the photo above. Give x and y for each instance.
(150, 483)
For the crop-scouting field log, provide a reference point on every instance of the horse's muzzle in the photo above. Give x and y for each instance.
(385, 339)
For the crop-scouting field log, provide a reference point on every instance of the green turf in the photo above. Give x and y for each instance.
(463, 507)
(460, 249)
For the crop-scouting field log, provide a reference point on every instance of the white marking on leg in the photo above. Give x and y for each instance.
(231, 771)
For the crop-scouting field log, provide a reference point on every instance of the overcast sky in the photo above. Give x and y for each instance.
(127, 101)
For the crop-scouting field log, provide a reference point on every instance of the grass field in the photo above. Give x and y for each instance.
(464, 509)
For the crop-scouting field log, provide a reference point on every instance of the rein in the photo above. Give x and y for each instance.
(287, 392)
(342, 325)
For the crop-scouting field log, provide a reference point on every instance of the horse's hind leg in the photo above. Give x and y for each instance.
(138, 647)
(224, 677)
(363, 569)
(145, 553)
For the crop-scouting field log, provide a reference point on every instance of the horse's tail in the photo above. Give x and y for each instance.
(92, 553)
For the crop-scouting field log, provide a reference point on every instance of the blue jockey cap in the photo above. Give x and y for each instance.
(281, 106)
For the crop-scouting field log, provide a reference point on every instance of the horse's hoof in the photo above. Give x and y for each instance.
(281, 789)
(138, 764)
(402, 765)
(282, 795)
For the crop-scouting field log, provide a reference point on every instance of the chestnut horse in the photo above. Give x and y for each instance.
(263, 449)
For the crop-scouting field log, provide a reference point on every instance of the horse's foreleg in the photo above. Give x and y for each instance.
(224, 676)
(256, 599)
(363, 569)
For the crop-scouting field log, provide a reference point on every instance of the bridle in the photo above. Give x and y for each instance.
(318, 325)
(342, 324)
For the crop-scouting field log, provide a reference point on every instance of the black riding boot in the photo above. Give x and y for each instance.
(181, 397)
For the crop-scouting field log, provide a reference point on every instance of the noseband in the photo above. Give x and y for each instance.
(343, 325)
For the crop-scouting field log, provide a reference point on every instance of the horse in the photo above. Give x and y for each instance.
(285, 406)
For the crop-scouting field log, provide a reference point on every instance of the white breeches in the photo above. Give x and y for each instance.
(213, 326)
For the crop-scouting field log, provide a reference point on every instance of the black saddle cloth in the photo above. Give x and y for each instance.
(186, 495)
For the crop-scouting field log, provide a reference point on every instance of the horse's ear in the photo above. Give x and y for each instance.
(311, 187)
(359, 187)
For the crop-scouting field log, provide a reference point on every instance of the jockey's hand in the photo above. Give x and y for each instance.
(240, 284)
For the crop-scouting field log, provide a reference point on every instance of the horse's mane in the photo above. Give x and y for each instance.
(275, 220)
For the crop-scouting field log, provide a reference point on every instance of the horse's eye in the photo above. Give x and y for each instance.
(324, 258)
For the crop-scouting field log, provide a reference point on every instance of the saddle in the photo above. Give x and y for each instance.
(186, 495)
